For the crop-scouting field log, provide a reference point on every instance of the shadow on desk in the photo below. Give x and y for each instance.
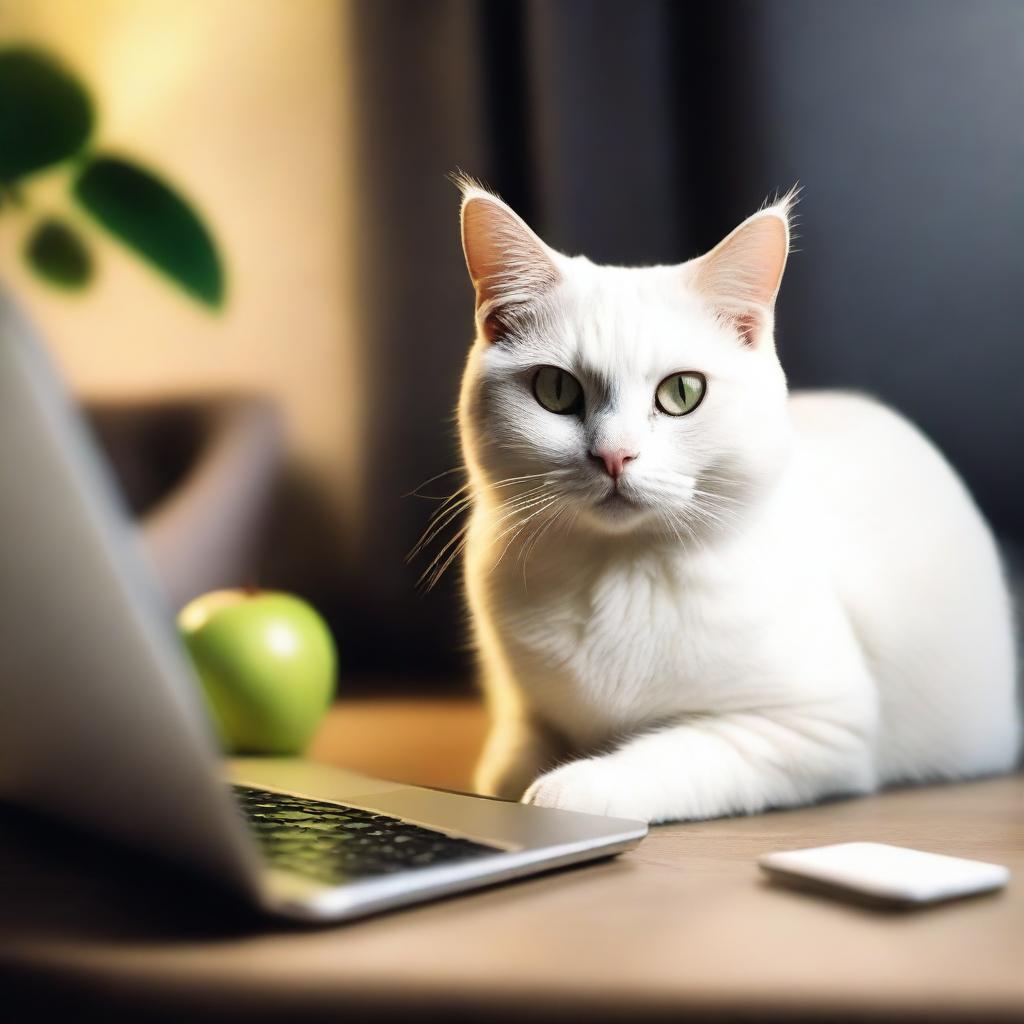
(683, 927)
(58, 880)
(63, 889)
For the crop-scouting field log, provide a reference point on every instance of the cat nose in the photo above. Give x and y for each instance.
(613, 459)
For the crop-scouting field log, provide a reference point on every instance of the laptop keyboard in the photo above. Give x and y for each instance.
(334, 843)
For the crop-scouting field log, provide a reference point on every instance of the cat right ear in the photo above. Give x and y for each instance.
(510, 267)
(740, 277)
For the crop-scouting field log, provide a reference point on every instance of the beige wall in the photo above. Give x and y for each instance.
(244, 105)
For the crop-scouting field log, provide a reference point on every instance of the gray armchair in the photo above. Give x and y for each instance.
(199, 477)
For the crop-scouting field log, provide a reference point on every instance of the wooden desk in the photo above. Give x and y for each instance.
(684, 926)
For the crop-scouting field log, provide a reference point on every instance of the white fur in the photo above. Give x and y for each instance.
(802, 599)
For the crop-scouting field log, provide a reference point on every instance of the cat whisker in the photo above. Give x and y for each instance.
(669, 520)
(520, 526)
(514, 513)
(717, 495)
(519, 503)
(437, 523)
(437, 567)
(415, 492)
(457, 503)
(687, 524)
(443, 568)
(531, 543)
(456, 544)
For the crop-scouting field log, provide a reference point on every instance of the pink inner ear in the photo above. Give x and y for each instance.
(495, 325)
(741, 275)
(749, 327)
(502, 253)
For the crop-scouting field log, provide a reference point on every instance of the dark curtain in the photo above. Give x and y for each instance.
(641, 132)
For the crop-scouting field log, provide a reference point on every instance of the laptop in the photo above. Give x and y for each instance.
(102, 723)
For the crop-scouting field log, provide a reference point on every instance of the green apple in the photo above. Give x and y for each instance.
(267, 664)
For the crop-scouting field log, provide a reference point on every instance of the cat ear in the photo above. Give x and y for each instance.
(740, 277)
(509, 265)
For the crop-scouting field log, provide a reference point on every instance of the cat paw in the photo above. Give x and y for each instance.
(592, 785)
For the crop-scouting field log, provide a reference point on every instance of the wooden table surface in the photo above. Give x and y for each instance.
(682, 925)
(426, 742)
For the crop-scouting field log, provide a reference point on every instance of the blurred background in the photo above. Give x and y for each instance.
(270, 413)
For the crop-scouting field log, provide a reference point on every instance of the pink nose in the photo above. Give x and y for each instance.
(613, 459)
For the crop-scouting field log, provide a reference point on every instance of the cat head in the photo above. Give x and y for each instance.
(622, 399)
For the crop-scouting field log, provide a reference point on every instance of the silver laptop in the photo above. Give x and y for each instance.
(101, 721)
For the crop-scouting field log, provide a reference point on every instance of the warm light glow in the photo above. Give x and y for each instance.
(248, 108)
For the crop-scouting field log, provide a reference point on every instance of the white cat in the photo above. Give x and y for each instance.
(692, 594)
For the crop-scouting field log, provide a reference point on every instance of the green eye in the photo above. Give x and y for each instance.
(681, 393)
(557, 390)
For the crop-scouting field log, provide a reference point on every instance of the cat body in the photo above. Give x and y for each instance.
(755, 602)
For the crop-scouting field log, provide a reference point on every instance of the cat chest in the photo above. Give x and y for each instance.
(624, 650)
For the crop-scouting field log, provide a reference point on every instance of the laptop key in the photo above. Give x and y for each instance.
(334, 843)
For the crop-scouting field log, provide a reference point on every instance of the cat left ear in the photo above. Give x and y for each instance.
(740, 277)
(510, 267)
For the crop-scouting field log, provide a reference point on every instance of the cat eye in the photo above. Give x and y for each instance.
(681, 393)
(557, 390)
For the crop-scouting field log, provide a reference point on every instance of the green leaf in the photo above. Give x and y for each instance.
(148, 215)
(45, 113)
(57, 254)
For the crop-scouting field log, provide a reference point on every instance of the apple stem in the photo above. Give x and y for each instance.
(251, 588)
